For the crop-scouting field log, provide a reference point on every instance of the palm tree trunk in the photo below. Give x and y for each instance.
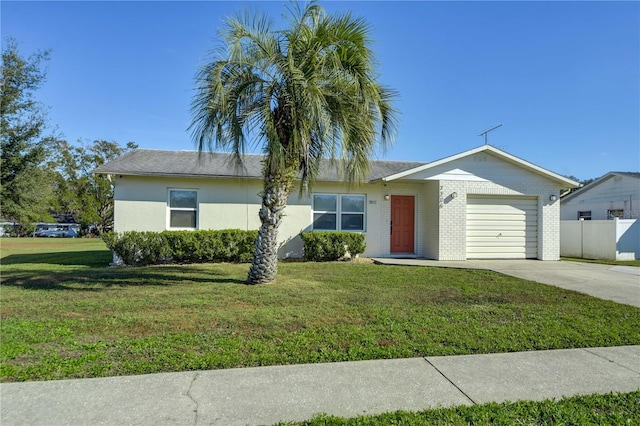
(264, 267)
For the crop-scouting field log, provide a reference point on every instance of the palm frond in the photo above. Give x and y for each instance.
(304, 93)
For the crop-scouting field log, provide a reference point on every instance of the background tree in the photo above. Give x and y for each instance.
(583, 182)
(25, 191)
(304, 93)
(80, 192)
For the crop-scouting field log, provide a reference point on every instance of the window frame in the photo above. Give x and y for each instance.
(339, 212)
(170, 209)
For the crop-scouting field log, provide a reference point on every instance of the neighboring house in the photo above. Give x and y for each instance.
(616, 194)
(610, 204)
(481, 203)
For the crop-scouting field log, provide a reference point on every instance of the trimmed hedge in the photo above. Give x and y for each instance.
(153, 248)
(323, 246)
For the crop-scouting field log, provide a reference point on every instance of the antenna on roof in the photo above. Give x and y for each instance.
(487, 131)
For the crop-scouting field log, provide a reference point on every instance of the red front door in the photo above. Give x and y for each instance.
(402, 224)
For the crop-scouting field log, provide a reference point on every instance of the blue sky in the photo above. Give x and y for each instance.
(562, 77)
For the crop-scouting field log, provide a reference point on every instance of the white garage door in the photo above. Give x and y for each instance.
(502, 227)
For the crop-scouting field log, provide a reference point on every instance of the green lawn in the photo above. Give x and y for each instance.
(65, 315)
(604, 261)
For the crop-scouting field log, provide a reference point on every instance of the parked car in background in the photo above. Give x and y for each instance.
(7, 228)
(57, 233)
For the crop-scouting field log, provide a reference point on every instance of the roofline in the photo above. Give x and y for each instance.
(210, 176)
(488, 148)
(189, 175)
(185, 175)
(201, 176)
(595, 183)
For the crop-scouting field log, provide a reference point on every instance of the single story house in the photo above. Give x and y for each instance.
(481, 203)
(616, 194)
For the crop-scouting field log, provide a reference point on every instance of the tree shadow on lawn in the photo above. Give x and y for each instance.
(91, 258)
(95, 279)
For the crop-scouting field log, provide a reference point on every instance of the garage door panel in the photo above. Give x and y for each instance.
(492, 234)
(499, 226)
(496, 225)
(493, 200)
(497, 229)
(500, 218)
(480, 202)
(502, 227)
(516, 240)
(504, 211)
(481, 235)
(502, 208)
(522, 241)
(494, 250)
(499, 249)
(499, 255)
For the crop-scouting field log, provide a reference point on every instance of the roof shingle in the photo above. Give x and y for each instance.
(148, 162)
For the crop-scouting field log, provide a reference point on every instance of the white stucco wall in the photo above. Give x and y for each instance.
(302, 218)
(141, 202)
(141, 205)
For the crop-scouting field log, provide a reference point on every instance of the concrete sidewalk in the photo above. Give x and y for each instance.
(620, 284)
(267, 395)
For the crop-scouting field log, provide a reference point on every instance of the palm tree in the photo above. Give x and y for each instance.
(304, 93)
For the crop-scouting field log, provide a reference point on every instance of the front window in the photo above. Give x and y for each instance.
(333, 212)
(325, 212)
(183, 209)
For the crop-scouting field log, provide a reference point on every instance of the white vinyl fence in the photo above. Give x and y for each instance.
(617, 239)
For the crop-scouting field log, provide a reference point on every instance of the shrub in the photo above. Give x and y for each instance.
(138, 248)
(239, 245)
(321, 246)
(152, 248)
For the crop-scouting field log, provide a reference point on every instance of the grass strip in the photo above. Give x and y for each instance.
(635, 263)
(608, 409)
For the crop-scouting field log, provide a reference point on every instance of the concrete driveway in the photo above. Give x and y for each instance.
(617, 283)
